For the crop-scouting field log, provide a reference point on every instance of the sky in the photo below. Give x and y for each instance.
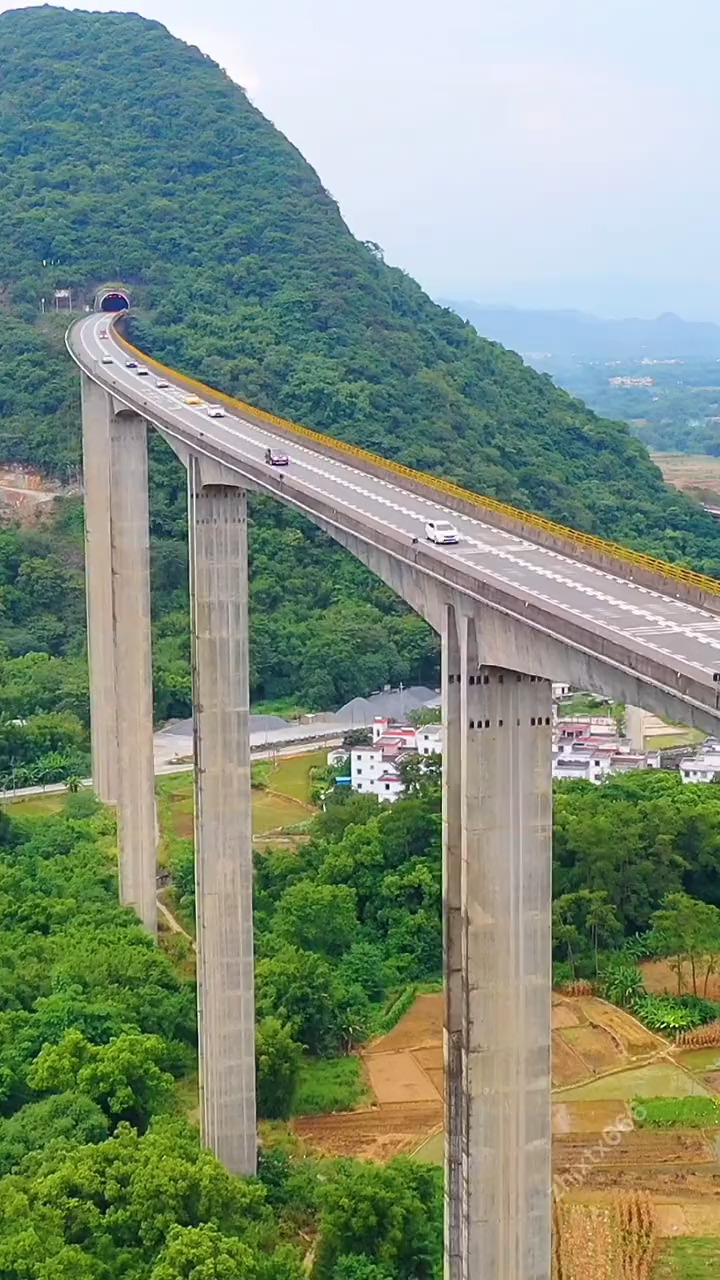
(556, 153)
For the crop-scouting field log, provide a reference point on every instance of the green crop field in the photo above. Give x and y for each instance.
(432, 1150)
(657, 1080)
(690, 1259)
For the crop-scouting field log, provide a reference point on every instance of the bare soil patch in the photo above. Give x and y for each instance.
(420, 1028)
(659, 976)
(631, 1035)
(397, 1077)
(567, 1067)
(374, 1134)
(565, 1014)
(595, 1046)
(645, 1147)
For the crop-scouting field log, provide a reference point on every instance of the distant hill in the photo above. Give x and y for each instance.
(574, 335)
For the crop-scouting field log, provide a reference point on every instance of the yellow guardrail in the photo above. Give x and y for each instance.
(571, 538)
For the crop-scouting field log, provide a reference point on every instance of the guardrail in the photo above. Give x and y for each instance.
(586, 547)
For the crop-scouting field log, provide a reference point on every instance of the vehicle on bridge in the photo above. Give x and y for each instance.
(441, 532)
(215, 411)
(276, 459)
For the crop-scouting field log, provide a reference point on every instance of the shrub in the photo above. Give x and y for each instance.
(666, 1014)
(334, 1084)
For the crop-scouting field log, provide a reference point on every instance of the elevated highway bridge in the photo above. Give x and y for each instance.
(518, 602)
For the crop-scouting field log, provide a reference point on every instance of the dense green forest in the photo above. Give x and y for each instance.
(101, 1177)
(145, 163)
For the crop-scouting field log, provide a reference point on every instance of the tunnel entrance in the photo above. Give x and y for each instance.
(114, 300)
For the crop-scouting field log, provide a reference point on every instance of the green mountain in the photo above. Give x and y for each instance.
(126, 155)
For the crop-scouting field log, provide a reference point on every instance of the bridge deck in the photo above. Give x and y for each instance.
(658, 625)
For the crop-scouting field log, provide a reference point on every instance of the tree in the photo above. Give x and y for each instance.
(297, 987)
(125, 1076)
(278, 1058)
(204, 1253)
(69, 1116)
(687, 930)
(585, 921)
(422, 775)
(318, 917)
(388, 1216)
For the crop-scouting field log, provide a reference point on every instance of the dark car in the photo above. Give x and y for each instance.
(131, 364)
(275, 459)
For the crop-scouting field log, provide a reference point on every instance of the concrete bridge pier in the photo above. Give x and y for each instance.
(130, 552)
(98, 589)
(498, 958)
(223, 833)
(119, 649)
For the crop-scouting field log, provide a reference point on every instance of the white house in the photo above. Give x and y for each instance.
(704, 767)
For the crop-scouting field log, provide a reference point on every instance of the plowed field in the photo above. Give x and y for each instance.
(645, 1147)
(378, 1133)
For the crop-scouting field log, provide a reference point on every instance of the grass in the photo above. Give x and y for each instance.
(283, 803)
(656, 1080)
(330, 1084)
(272, 811)
(291, 774)
(664, 742)
(284, 707)
(187, 1098)
(700, 1059)
(690, 1258)
(683, 1113)
(37, 806)
(432, 1150)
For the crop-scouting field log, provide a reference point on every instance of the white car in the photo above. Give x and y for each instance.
(143, 372)
(214, 411)
(106, 360)
(441, 531)
(162, 385)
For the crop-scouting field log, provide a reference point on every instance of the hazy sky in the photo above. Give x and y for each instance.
(541, 152)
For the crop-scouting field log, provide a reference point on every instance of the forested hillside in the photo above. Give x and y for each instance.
(144, 163)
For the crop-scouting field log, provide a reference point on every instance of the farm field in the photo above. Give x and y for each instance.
(284, 803)
(692, 472)
(663, 1079)
(616, 1240)
(689, 1259)
(612, 1059)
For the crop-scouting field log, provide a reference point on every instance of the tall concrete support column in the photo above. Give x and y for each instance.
(223, 834)
(500, 1132)
(98, 588)
(133, 664)
(454, 957)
